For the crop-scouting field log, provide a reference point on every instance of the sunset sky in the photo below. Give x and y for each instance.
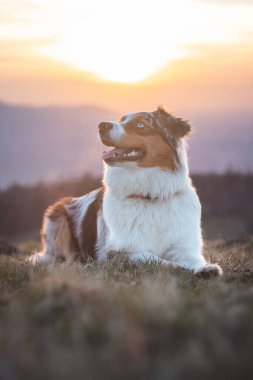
(127, 54)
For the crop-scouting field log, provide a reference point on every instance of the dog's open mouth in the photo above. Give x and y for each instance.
(123, 154)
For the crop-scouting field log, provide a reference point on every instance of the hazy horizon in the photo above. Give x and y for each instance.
(53, 143)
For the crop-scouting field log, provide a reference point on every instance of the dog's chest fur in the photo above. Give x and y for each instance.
(140, 225)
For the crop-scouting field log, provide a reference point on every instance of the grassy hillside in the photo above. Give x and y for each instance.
(127, 321)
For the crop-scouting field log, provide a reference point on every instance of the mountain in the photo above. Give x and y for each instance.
(49, 143)
(222, 141)
(44, 144)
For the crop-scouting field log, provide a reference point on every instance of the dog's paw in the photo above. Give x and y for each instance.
(208, 271)
(39, 258)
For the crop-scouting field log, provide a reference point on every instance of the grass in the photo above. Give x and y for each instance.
(126, 321)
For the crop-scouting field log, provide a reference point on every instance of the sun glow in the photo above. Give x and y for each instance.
(114, 63)
(128, 41)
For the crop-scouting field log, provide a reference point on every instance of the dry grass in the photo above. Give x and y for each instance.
(127, 321)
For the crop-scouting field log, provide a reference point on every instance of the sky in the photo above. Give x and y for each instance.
(183, 54)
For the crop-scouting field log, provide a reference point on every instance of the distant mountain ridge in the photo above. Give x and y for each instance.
(50, 143)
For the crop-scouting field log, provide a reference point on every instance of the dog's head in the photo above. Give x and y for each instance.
(147, 139)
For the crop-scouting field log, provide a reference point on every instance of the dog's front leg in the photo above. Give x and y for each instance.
(140, 256)
(194, 261)
(147, 257)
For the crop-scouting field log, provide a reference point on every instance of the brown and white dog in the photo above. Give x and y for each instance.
(147, 208)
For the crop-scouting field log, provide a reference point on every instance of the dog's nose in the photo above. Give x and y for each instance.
(105, 126)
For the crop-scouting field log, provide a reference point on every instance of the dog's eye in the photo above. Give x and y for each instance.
(140, 125)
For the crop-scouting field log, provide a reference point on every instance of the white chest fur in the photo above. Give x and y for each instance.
(161, 227)
(137, 225)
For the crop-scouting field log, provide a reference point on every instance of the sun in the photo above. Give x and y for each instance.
(126, 49)
(114, 63)
(123, 57)
(129, 41)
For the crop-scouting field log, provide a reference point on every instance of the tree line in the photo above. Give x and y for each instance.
(22, 207)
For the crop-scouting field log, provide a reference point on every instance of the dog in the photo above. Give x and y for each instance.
(147, 209)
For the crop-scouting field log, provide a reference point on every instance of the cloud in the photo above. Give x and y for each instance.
(6, 18)
(13, 12)
(15, 4)
(14, 19)
(25, 43)
(229, 2)
(21, 49)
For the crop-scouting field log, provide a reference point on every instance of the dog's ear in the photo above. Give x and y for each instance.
(172, 126)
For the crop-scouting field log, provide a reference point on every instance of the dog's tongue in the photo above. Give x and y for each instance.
(113, 153)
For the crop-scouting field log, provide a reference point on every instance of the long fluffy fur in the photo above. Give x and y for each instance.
(166, 228)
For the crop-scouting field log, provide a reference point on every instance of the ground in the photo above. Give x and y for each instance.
(125, 321)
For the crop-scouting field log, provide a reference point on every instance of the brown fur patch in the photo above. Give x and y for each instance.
(171, 126)
(89, 228)
(158, 152)
(57, 210)
(65, 237)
